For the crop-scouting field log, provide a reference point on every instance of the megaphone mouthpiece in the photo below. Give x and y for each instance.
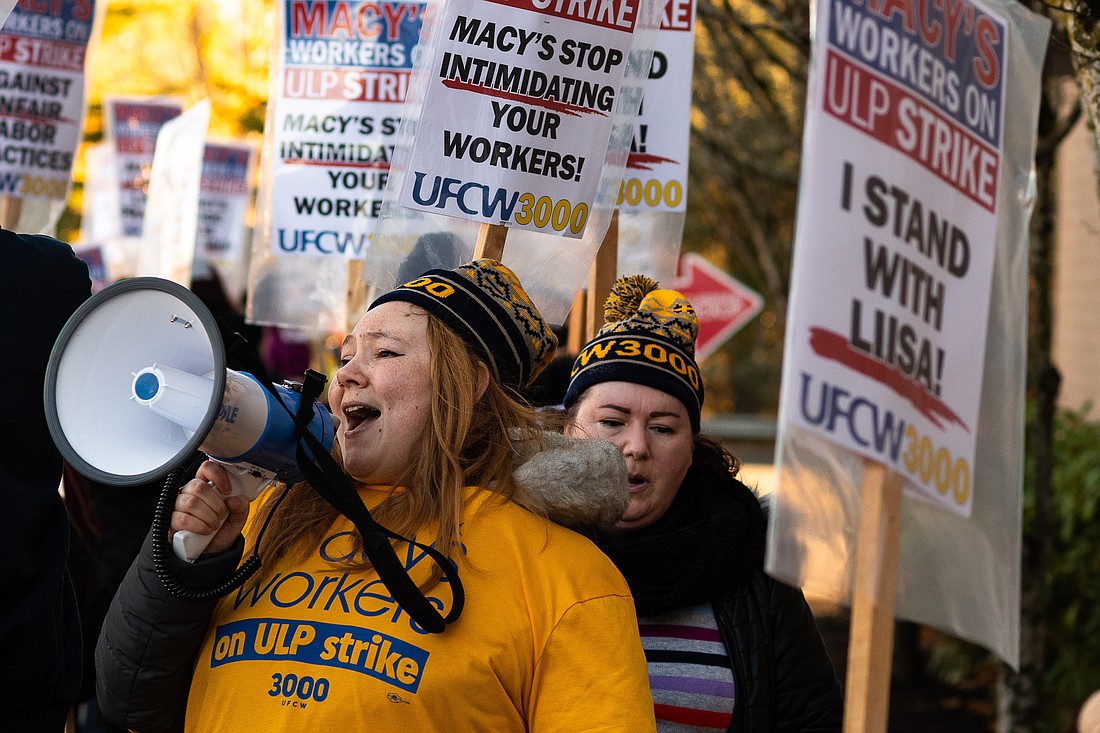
(175, 395)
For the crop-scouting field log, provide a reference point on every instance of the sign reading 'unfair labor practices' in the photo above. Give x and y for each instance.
(522, 96)
(657, 168)
(42, 52)
(342, 78)
(896, 237)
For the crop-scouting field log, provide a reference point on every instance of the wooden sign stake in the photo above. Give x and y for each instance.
(577, 320)
(490, 241)
(10, 209)
(601, 277)
(874, 594)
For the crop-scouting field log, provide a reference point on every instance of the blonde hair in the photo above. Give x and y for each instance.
(466, 442)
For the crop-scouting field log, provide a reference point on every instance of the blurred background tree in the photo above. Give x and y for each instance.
(205, 49)
(749, 89)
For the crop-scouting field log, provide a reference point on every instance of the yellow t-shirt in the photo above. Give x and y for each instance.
(548, 640)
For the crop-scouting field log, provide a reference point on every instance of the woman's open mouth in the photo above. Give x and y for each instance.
(637, 483)
(356, 415)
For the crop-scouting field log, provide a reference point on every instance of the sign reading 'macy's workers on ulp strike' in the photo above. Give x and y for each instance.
(342, 78)
(521, 100)
(42, 51)
(896, 236)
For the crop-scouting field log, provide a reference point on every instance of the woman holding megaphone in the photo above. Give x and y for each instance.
(413, 591)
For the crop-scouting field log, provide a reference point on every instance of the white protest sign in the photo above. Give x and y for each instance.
(522, 104)
(132, 125)
(341, 80)
(172, 210)
(224, 194)
(905, 339)
(895, 245)
(43, 47)
(652, 200)
(100, 214)
(658, 164)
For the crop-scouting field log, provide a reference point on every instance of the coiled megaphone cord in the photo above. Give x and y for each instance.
(162, 562)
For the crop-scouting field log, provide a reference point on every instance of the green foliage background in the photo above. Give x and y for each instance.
(1073, 664)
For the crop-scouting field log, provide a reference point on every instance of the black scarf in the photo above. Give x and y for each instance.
(710, 539)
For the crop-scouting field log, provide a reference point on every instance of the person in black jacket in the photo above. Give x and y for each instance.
(44, 283)
(728, 647)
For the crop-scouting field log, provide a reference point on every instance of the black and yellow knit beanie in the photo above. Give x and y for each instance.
(484, 302)
(648, 337)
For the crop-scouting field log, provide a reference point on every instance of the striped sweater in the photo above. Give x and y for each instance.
(689, 670)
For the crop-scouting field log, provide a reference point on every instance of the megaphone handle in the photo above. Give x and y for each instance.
(244, 480)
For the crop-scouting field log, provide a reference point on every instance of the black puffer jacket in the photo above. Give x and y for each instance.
(43, 284)
(709, 547)
(149, 640)
(785, 678)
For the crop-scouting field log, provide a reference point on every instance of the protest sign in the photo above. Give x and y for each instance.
(658, 163)
(43, 52)
(342, 77)
(101, 213)
(172, 211)
(100, 216)
(224, 194)
(518, 121)
(132, 126)
(523, 99)
(905, 336)
(653, 198)
(338, 83)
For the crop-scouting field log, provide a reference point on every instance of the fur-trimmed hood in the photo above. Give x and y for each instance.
(576, 482)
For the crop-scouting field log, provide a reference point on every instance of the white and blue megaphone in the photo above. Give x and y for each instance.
(137, 382)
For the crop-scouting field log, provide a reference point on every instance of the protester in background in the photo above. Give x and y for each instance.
(729, 648)
(208, 285)
(286, 352)
(44, 283)
(428, 434)
(440, 250)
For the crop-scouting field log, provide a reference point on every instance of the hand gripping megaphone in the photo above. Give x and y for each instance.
(137, 382)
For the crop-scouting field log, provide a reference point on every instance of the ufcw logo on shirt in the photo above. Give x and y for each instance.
(352, 648)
